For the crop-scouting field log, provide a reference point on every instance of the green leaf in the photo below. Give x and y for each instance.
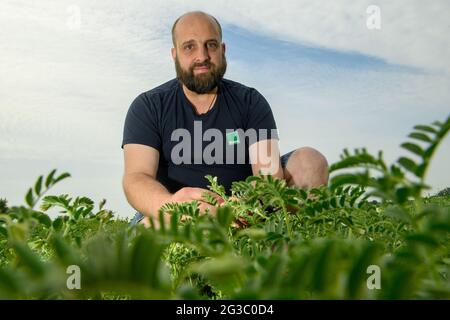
(162, 222)
(50, 201)
(414, 148)
(49, 179)
(44, 219)
(333, 202)
(425, 128)
(29, 259)
(29, 199)
(225, 216)
(174, 219)
(398, 213)
(61, 177)
(3, 232)
(357, 277)
(221, 269)
(353, 200)
(9, 281)
(348, 178)
(322, 267)
(58, 224)
(423, 238)
(342, 200)
(255, 234)
(38, 185)
(402, 195)
(303, 194)
(146, 262)
(408, 164)
(318, 206)
(420, 136)
(271, 236)
(64, 252)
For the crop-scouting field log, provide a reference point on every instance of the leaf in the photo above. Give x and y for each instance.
(422, 238)
(58, 224)
(29, 199)
(64, 252)
(322, 274)
(318, 206)
(255, 234)
(38, 185)
(224, 216)
(44, 219)
(357, 277)
(146, 262)
(303, 194)
(402, 195)
(3, 231)
(398, 213)
(29, 259)
(162, 222)
(9, 281)
(271, 236)
(420, 136)
(49, 201)
(101, 204)
(425, 128)
(290, 192)
(221, 270)
(333, 202)
(414, 148)
(342, 200)
(49, 179)
(343, 179)
(174, 219)
(61, 177)
(408, 164)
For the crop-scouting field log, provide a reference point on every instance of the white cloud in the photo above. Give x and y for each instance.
(412, 32)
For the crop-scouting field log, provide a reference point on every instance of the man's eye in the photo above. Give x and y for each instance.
(212, 45)
(188, 47)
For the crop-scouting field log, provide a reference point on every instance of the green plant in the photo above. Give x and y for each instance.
(267, 241)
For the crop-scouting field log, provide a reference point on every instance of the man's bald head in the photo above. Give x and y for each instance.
(190, 16)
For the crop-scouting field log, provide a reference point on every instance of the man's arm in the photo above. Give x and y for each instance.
(265, 156)
(144, 192)
(141, 188)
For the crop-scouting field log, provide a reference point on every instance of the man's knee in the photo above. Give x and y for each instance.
(307, 168)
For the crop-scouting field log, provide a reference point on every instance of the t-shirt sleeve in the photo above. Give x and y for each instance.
(141, 124)
(260, 118)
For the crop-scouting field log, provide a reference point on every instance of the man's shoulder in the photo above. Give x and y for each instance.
(165, 88)
(242, 92)
(236, 86)
(155, 99)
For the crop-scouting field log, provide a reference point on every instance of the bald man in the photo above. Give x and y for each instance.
(201, 123)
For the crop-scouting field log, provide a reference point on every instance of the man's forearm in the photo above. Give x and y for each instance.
(145, 193)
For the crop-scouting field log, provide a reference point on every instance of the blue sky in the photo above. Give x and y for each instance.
(331, 82)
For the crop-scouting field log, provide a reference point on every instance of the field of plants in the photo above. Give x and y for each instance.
(369, 234)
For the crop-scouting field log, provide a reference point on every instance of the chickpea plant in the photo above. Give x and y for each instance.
(369, 234)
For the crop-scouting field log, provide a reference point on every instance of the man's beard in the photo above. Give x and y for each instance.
(203, 82)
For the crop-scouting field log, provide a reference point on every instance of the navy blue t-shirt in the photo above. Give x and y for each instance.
(192, 146)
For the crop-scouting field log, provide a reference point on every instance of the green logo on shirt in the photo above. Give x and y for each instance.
(233, 137)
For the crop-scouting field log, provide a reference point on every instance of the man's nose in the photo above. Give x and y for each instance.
(203, 54)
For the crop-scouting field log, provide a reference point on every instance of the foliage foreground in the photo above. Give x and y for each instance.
(268, 241)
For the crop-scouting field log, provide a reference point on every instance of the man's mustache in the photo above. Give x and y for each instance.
(204, 64)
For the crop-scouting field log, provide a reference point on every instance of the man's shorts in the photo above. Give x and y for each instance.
(139, 216)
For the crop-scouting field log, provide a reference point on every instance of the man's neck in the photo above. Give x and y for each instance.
(201, 101)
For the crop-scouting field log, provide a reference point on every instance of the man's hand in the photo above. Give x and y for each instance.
(187, 194)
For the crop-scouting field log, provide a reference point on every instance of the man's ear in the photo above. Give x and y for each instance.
(174, 53)
(223, 47)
